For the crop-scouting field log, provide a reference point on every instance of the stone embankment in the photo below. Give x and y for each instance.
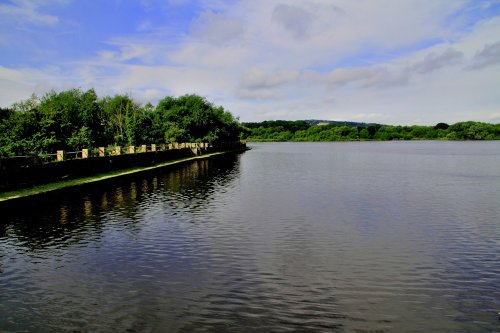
(26, 171)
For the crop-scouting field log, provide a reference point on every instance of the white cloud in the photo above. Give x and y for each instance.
(216, 28)
(24, 12)
(494, 116)
(129, 51)
(294, 19)
(256, 78)
(433, 61)
(261, 94)
(362, 77)
(19, 84)
(201, 55)
(488, 56)
(386, 61)
(313, 33)
(367, 116)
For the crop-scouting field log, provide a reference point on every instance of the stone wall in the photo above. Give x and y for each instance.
(21, 173)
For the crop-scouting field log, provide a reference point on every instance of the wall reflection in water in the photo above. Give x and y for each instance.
(71, 216)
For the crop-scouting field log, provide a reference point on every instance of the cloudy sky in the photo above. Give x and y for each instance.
(386, 61)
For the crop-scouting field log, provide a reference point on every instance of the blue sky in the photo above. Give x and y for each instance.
(386, 61)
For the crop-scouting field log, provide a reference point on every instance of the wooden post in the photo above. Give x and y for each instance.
(60, 155)
(85, 153)
(102, 151)
(118, 150)
(144, 148)
(131, 149)
(153, 147)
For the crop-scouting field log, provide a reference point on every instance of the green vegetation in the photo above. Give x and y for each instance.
(302, 130)
(76, 119)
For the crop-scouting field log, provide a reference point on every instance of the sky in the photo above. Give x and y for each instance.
(399, 62)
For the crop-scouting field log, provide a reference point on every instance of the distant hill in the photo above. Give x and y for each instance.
(336, 122)
(295, 125)
(331, 130)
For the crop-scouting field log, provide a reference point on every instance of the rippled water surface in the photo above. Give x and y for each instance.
(335, 237)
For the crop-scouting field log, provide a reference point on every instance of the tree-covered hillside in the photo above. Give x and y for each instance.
(76, 119)
(281, 130)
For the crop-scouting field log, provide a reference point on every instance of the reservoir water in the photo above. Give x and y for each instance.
(320, 237)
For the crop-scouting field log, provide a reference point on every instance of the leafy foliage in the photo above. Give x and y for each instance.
(282, 130)
(192, 118)
(76, 119)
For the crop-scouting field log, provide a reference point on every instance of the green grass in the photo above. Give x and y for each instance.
(54, 186)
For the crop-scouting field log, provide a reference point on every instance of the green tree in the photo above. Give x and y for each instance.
(114, 110)
(193, 118)
(74, 119)
(81, 139)
(442, 126)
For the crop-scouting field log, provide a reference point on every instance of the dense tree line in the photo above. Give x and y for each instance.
(282, 130)
(76, 119)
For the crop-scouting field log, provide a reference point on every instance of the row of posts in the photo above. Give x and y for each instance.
(60, 156)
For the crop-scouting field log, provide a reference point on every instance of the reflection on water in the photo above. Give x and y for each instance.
(346, 237)
(69, 217)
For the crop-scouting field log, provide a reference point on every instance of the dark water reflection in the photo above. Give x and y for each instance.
(345, 237)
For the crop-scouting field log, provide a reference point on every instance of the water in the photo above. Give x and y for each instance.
(343, 237)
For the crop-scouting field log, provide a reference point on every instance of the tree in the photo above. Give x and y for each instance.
(442, 126)
(74, 119)
(193, 118)
(114, 110)
(81, 139)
